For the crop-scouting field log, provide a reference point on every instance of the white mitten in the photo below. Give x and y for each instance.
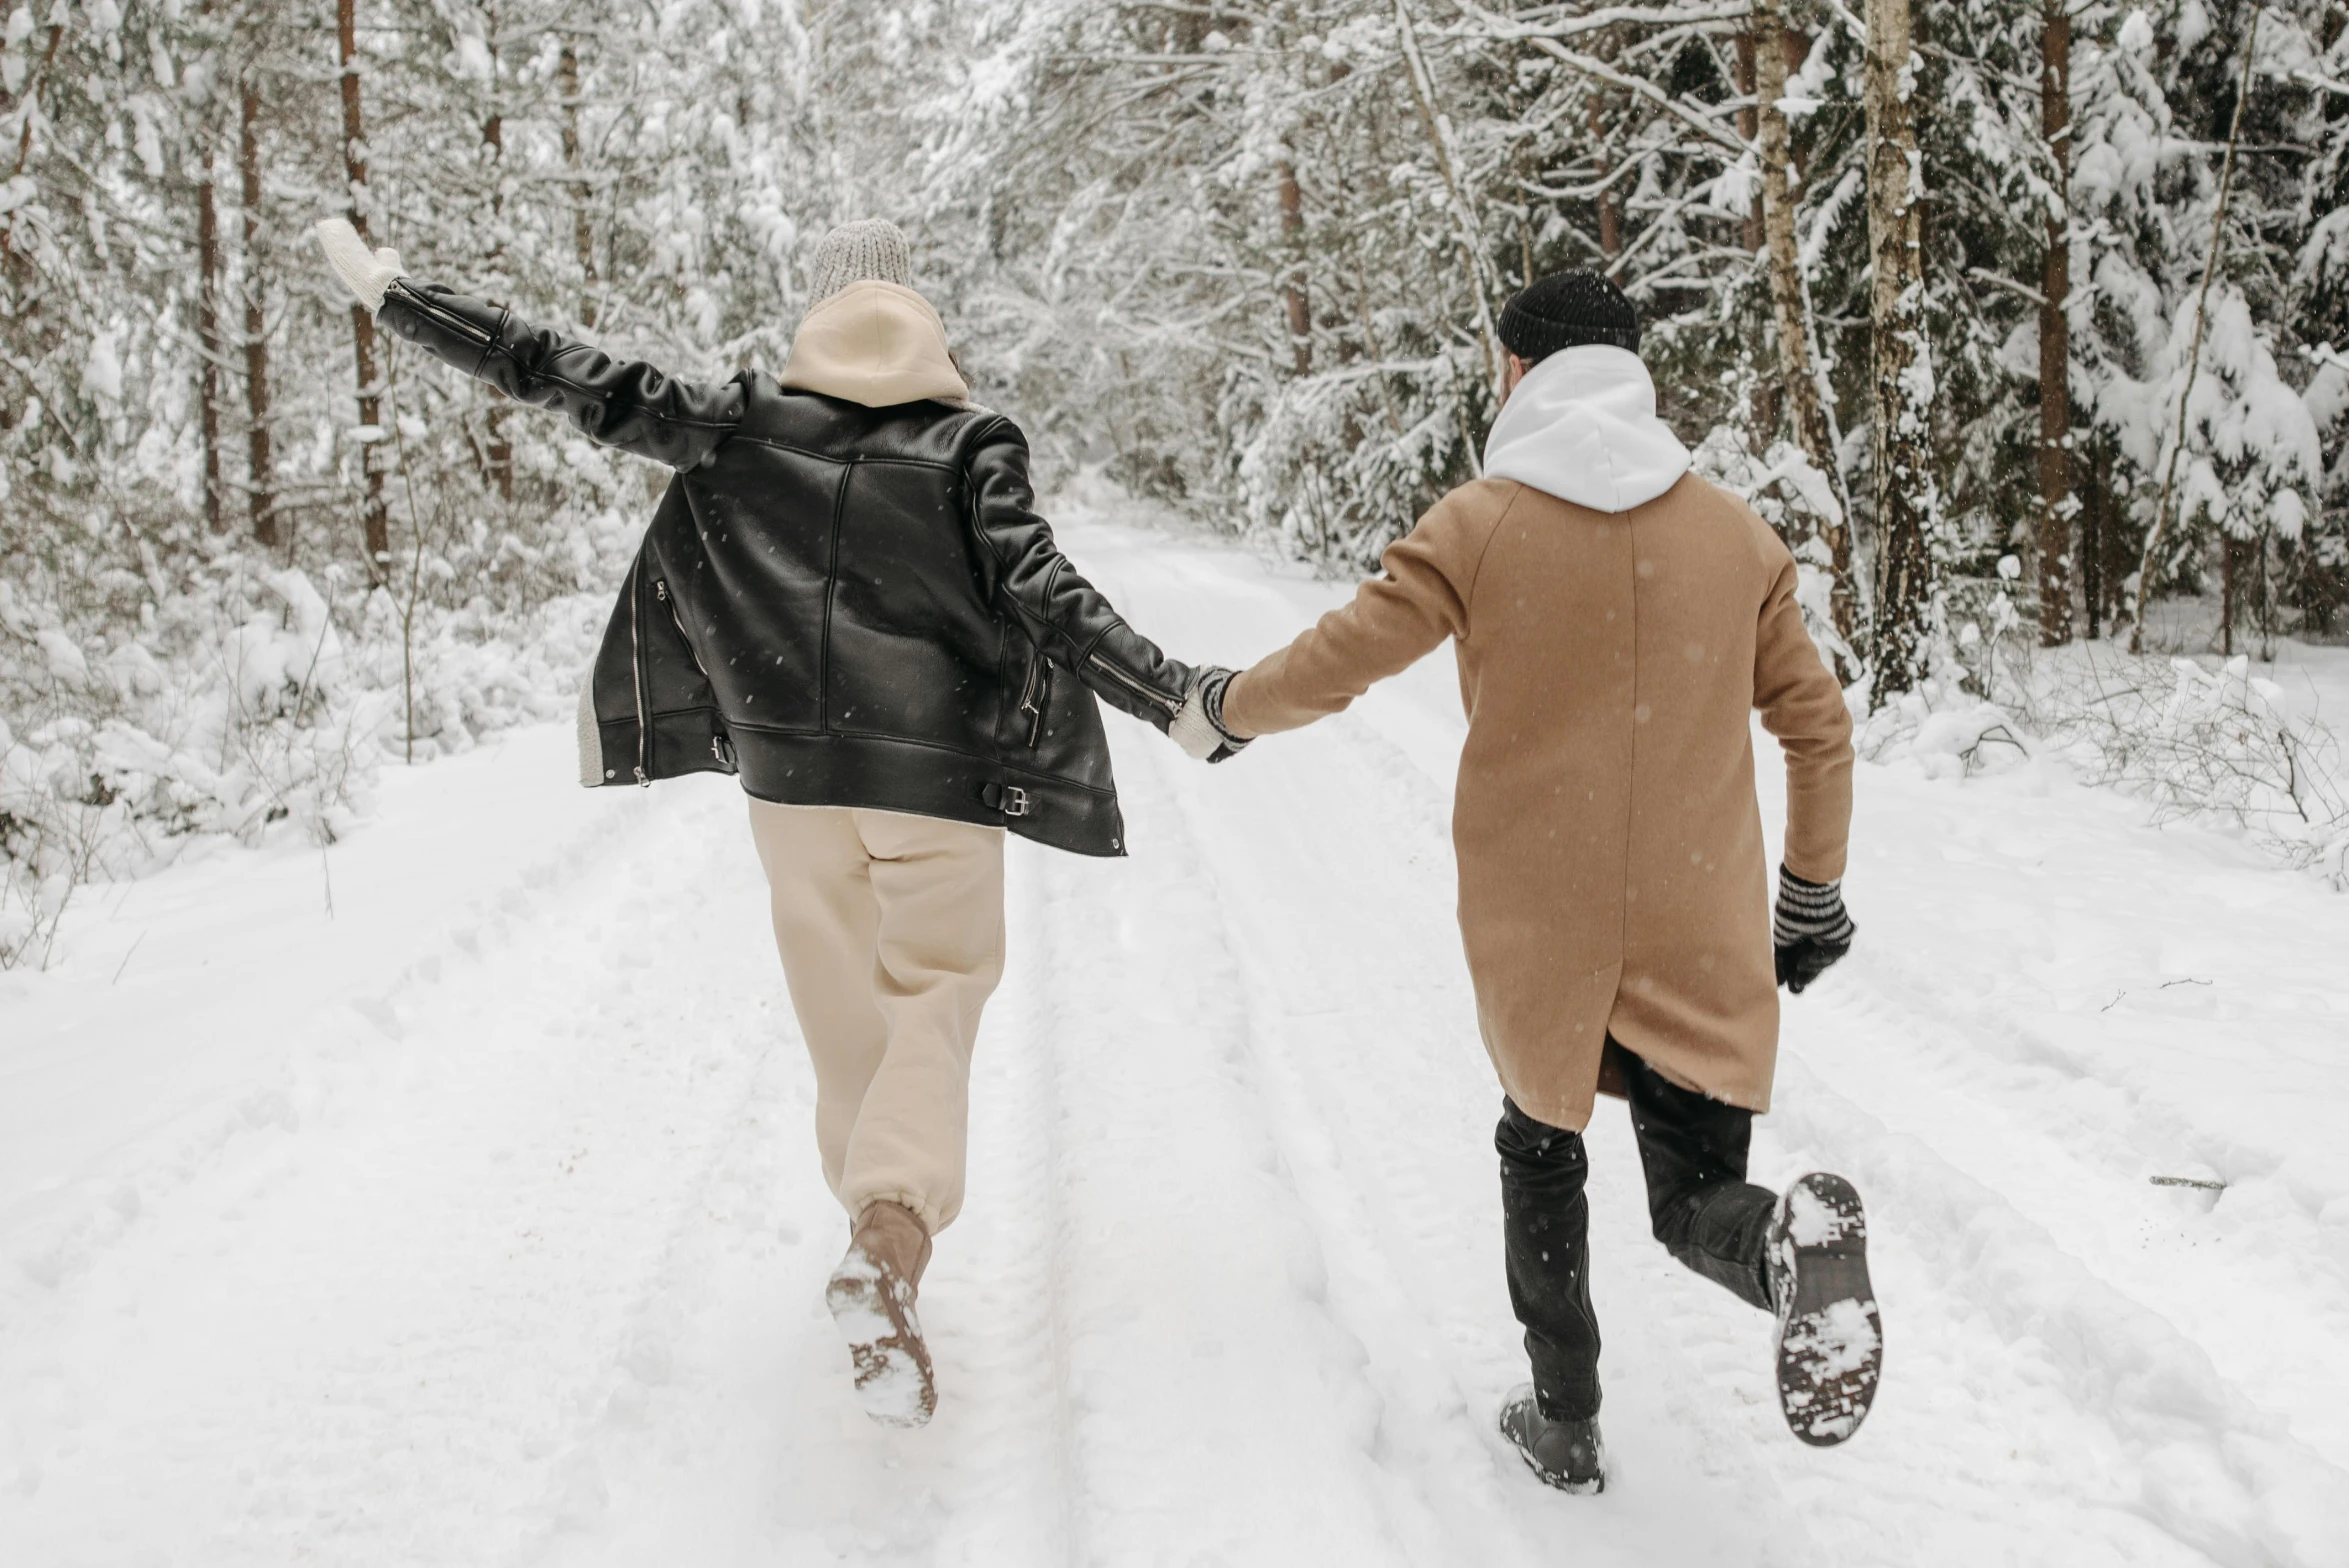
(1198, 726)
(366, 273)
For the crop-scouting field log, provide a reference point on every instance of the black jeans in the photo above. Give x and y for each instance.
(1703, 1209)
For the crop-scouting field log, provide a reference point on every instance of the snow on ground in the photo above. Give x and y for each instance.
(478, 1219)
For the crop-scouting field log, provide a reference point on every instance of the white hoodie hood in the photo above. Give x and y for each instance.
(1582, 426)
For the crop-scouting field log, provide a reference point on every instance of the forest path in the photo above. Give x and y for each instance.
(482, 1224)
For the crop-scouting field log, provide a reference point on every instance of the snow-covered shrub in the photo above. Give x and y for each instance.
(246, 703)
(2199, 742)
(2202, 741)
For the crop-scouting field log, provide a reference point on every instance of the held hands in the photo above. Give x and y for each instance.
(1198, 727)
(366, 273)
(1810, 929)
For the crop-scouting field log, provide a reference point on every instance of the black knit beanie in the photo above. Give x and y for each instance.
(1566, 310)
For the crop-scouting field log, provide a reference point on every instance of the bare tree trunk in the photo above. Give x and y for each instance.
(260, 462)
(1748, 121)
(2092, 531)
(582, 230)
(2267, 604)
(1293, 285)
(1610, 206)
(1906, 499)
(1798, 377)
(1764, 413)
(376, 518)
(2055, 336)
(500, 449)
(2231, 553)
(209, 348)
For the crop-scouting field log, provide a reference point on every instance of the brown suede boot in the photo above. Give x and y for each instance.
(872, 1299)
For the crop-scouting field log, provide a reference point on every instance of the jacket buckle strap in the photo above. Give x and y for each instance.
(1009, 799)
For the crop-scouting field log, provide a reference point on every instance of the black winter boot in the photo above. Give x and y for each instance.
(1830, 1343)
(1568, 1455)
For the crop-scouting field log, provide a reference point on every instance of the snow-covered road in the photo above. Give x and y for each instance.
(480, 1222)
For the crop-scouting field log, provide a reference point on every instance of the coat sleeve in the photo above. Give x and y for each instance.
(622, 403)
(1801, 704)
(1394, 621)
(1072, 621)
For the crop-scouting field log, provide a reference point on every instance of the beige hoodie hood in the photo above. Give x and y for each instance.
(875, 343)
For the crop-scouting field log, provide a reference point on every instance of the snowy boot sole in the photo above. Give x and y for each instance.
(875, 1315)
(1830, 1341)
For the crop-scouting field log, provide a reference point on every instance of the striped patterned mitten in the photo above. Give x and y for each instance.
(1809, 929)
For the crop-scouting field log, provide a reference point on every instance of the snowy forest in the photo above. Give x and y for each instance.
(2025, 323)
(409, 1157)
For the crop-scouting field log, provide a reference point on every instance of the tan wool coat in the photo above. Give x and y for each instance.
(1613, 880)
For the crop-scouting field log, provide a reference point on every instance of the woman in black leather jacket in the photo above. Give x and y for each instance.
(846, 597)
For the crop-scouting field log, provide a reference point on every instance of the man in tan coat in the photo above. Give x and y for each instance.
(1616, 620)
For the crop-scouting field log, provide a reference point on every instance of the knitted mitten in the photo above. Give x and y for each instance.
(366, 273)
(1809, 929)
(1198, 727)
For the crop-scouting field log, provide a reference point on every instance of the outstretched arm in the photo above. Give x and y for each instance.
(622, 403)
(1070, 619)
(1394, 621)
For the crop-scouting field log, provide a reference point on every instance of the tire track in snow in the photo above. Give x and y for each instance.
(1215, 1413)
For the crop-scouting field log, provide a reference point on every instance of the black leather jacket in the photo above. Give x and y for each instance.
(849, 606)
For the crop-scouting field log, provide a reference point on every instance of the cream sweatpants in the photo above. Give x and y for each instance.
(891, 931)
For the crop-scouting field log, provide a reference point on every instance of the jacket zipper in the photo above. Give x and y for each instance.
(721, 744)
(661, 592)
(636, 667)
(1030, 702)
(1159, 698)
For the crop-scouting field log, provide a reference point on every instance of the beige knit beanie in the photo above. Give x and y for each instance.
(870, 248)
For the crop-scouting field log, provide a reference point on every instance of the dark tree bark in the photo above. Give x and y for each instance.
(1748, 123)
(211, 351)
(2091, 538)
(499, 449)
(260, 462)
(582, 229)
(376, 517)
(1610, 206)
(2055, 336)
(1293, 284)
(2233, 554)
(1764, 414)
